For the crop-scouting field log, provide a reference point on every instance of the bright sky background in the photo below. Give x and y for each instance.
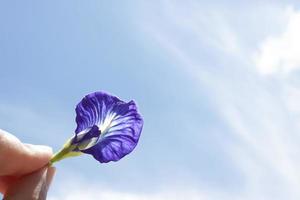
(217, 83)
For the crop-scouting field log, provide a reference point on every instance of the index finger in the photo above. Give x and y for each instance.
(17, 158)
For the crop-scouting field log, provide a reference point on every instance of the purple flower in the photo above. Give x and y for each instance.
(107, 128)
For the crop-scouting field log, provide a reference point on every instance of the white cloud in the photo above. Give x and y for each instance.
(280, 53)
(265, 143)
(78, 190)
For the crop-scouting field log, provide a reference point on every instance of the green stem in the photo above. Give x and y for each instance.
(65, 152)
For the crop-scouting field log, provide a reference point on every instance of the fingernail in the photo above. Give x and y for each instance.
(43, 189)
(50, 174)
(47, 181)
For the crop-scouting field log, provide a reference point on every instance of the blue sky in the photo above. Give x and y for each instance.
(217, 85)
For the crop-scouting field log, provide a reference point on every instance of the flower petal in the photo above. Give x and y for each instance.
(93, 109)
(120, 125)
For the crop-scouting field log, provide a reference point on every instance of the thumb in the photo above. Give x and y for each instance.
(33, 186)
(17, 158)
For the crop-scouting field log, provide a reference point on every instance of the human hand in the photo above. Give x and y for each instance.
(24, 174)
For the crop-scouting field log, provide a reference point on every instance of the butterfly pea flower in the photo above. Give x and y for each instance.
(107, 128)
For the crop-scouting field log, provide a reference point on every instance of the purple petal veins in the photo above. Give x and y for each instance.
(107, 127)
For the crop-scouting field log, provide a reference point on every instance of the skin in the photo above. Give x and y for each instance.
(24, 170)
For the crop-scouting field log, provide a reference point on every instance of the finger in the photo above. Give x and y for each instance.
(5, 181)
(17, 158)
(33, 186)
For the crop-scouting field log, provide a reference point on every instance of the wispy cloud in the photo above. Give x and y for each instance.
(265, 143)
(77, 190)
(279, 53)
